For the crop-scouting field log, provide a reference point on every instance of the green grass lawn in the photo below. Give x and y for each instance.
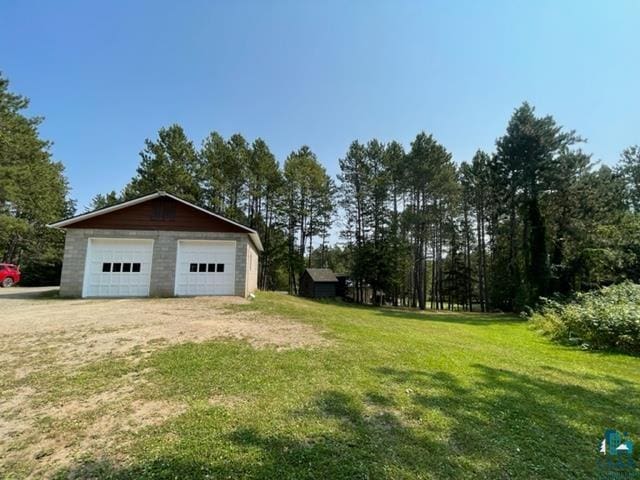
(395, 394)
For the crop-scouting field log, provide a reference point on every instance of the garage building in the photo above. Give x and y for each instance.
(157, 245)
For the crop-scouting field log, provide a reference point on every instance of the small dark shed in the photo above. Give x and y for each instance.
(318, 283)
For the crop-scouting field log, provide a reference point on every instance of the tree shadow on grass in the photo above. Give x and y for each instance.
(500, 424)
(507, 424)
(600, 377)
(353, 443)
(462, 318)
(363, 443)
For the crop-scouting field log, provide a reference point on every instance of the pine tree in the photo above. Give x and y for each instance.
(354, 180)
(213, 155)
(432, 186)
(528, 156)
(33, 193)
(170, 164)
(102, 201)
(630, 170)
(308, 198)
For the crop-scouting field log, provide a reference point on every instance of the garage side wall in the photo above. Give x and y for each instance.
(252, 268)
(75, 253)
(164, 257)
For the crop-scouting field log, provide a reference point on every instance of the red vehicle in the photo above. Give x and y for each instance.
(9, 274)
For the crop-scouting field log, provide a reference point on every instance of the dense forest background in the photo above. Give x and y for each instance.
(534, 218)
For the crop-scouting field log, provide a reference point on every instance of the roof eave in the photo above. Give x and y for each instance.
(255, 238)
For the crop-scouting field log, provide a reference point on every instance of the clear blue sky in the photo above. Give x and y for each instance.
(107, 75)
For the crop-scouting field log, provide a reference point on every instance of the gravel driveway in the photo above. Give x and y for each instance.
(26, 292)
(84, 329)
(42, 336)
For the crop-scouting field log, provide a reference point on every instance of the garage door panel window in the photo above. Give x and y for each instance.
(120, 267)
(204, 267)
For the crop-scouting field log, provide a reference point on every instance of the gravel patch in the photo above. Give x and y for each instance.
(41, 335)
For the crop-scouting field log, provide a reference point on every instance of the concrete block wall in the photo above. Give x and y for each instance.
(163, 268)
(75, 252)
(252, 270)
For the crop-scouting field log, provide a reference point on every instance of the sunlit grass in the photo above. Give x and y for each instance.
(395, 394)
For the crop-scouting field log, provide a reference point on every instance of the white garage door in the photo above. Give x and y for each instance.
(117, 268)
(205, 267)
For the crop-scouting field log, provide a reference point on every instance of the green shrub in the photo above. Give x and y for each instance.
(608, 318)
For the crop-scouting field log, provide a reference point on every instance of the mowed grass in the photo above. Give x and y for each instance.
(395, 394)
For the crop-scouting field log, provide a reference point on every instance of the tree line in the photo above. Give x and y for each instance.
(535, 217)
(532, 219)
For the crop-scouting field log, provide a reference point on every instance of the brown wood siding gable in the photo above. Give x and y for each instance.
(159, 214)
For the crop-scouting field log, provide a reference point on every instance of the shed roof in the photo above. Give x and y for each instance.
(321, 274)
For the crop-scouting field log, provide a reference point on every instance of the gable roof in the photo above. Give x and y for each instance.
(321, 274)
(253, 235)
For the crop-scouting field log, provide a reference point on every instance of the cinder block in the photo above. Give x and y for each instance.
(163, 268)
